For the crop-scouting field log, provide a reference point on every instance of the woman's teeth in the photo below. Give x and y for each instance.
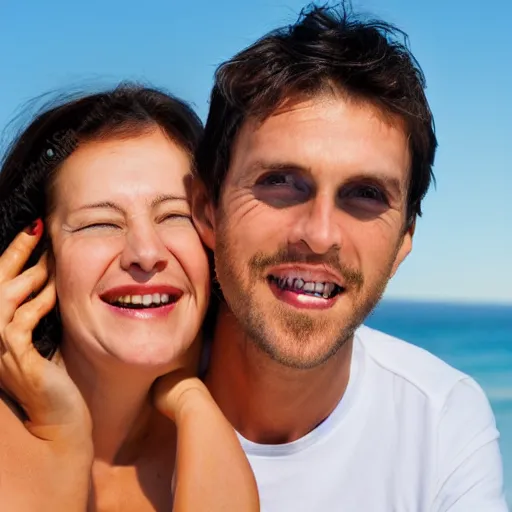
(142, 301)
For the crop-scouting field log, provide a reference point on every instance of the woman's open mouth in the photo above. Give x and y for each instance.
(147, 301)
(142, 301)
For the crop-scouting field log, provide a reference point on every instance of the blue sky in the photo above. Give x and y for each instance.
(464, 241)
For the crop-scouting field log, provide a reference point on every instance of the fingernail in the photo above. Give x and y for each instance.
(36, 228)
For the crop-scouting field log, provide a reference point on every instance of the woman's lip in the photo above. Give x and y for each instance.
(121, 291)
(144, 313)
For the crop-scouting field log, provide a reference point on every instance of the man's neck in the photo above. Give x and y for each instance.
(118, 401)
(265, 401)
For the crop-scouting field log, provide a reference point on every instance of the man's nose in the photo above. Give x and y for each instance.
(317, 225)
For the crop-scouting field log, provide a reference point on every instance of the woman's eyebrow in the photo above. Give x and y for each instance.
(101, 204)
(166, 197)
(114, 206)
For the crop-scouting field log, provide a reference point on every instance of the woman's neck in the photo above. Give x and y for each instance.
(118, 400)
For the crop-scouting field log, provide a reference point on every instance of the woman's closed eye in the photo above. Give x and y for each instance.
(98, 225)
(174, 218)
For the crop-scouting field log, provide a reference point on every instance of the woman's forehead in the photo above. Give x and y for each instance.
(137, 167)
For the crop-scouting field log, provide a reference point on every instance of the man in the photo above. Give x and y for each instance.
(318, 152)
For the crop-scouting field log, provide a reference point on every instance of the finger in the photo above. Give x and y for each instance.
(18, 334)
(12, 375)
(16, 291)
(16, 255)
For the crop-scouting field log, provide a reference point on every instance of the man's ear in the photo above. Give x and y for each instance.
(405, 247)
(203, 212)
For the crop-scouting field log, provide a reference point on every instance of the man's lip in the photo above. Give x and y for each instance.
(318, 273)
(121, 291)
(302, 301)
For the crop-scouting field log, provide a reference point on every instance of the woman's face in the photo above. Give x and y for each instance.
(131, 273)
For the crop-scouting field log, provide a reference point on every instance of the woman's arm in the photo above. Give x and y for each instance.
(37, 475)
(46, 447)
(212, 473)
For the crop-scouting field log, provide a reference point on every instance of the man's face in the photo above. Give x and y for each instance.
(311, 224)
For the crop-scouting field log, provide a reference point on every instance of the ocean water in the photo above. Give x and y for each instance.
(476, 339)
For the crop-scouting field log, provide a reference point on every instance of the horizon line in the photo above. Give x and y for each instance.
(449, 301)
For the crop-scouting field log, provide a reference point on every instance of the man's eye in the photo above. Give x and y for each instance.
(277, 179)
(369, 193)
(283, 189)
(285, 180)
(363, 199)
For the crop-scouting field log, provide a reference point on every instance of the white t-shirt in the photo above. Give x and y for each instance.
(411, 434)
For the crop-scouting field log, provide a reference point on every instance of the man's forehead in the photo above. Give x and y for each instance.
(320, 130)
(327, 97)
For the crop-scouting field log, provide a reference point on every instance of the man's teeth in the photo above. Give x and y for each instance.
(154, 299)
(324, 290)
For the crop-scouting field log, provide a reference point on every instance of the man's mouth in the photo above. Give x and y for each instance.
(306, 286)
(325, 290)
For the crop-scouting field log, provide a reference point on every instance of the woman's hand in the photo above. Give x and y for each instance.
(178, 390)
(169, 391)
(58, 445)
(212, 473)
(53, 405)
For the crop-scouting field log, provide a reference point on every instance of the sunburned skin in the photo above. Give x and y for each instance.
(132, 280)
(14, 406)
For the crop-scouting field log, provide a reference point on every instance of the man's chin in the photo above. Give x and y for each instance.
(305, 352)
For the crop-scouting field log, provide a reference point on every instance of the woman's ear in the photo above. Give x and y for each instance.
(203, 212)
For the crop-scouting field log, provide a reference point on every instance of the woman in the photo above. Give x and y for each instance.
(108, 174)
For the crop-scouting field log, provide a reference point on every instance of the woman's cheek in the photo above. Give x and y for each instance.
(85, 255)
(186, 247)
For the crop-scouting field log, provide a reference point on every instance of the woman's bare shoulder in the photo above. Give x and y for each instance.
(22, 461)
(8, 404)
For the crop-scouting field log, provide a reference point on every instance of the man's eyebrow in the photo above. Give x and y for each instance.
(113, 206)
(262, 165)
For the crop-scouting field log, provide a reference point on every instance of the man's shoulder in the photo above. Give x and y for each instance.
(428, 395)
(413, 365)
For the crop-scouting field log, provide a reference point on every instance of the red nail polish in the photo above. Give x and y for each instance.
(36, 228)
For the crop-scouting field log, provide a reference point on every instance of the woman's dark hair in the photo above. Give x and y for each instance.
(30, 164)
(328, 48)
